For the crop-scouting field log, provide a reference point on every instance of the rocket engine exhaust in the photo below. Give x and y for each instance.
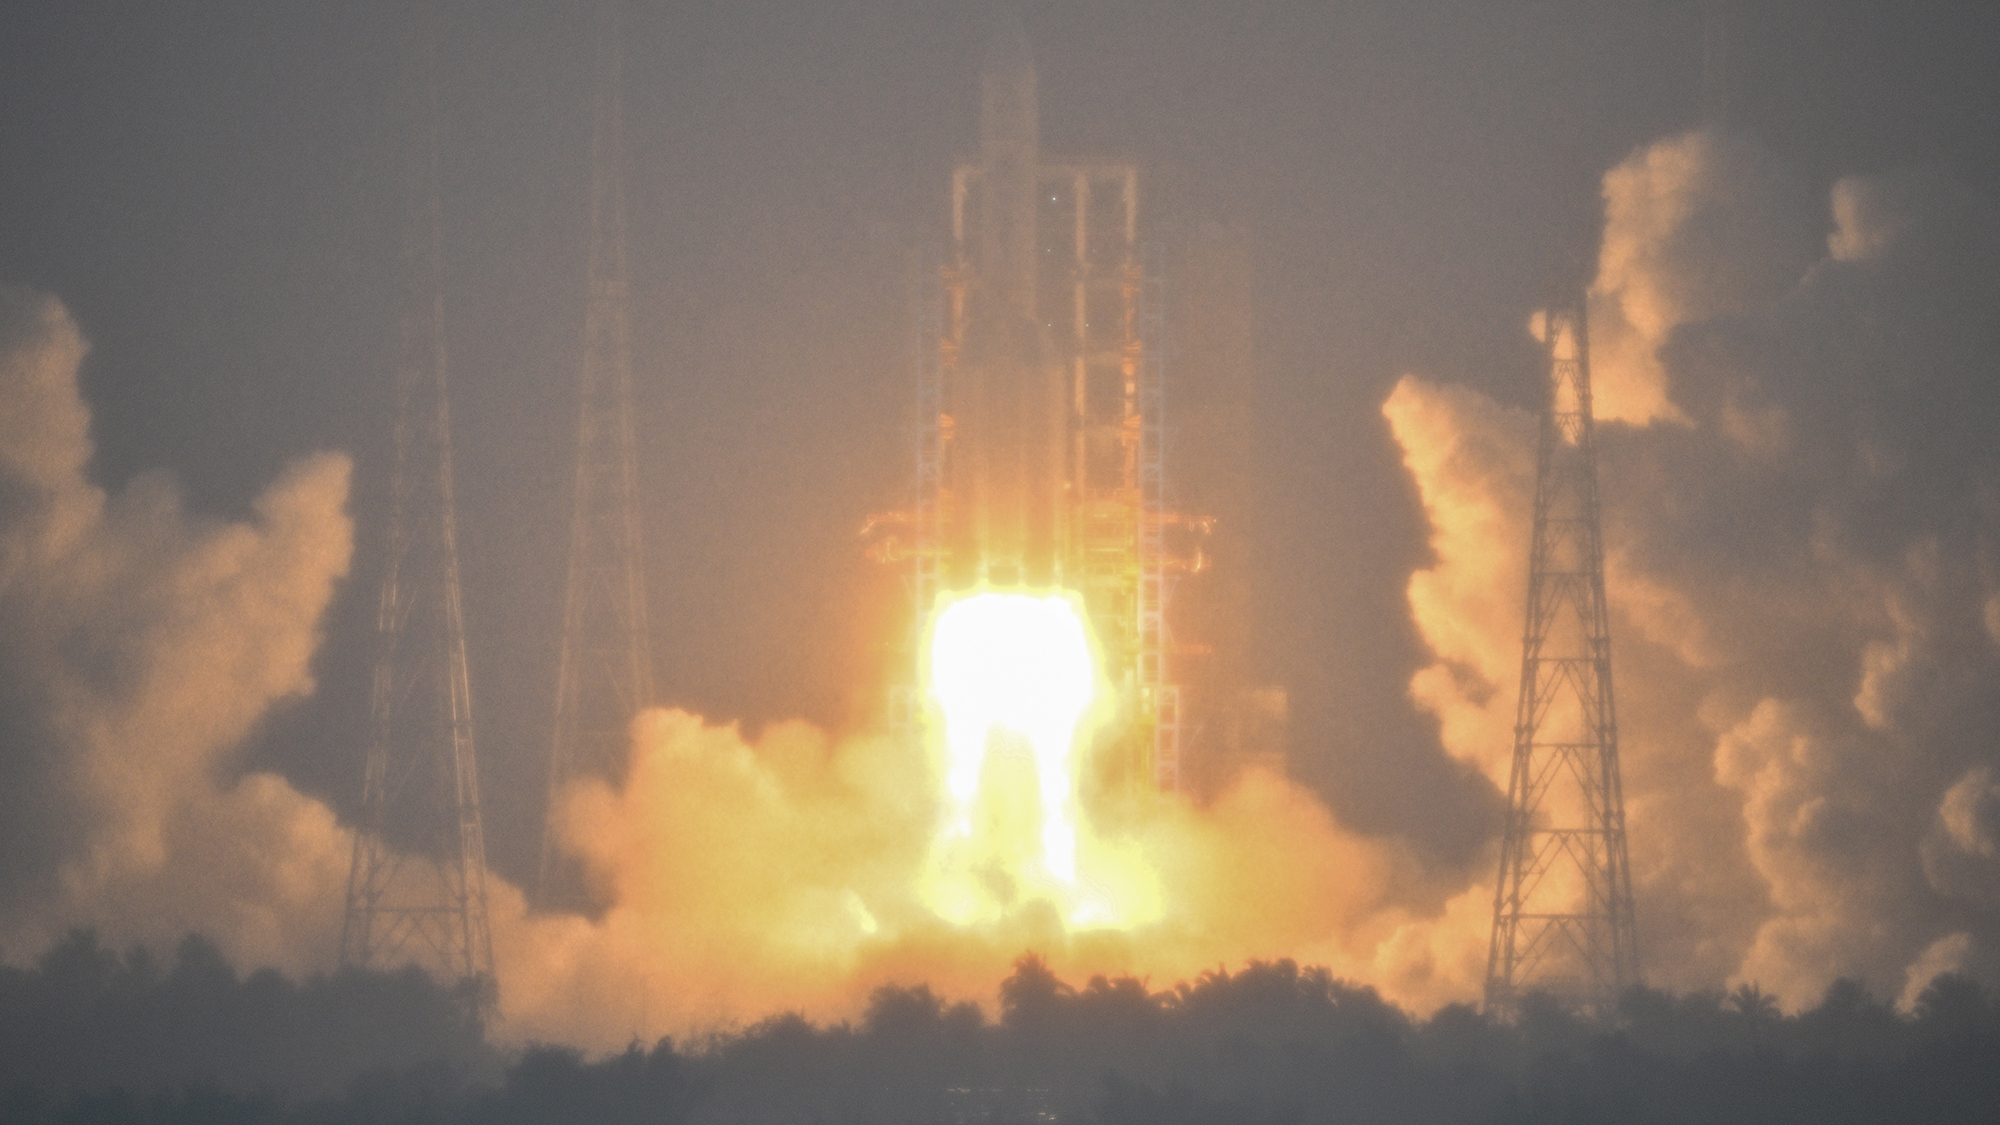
(1013, 677)
(1039, 577)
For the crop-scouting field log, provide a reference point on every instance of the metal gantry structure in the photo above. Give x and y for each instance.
(929, 512)
(1103, 296)
(1562, 908)
(604, 674)
(416, 889)
(1041, 433)
(1118, 557)
(1159, 698)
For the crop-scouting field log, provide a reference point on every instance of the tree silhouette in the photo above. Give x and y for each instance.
(89, 1035)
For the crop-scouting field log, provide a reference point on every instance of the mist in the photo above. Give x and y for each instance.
(1799, 577)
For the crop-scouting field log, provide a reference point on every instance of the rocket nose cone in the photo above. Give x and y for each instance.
(1007, 52)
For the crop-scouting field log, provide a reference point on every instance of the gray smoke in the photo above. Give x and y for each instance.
(1802, 509)
(139, 646)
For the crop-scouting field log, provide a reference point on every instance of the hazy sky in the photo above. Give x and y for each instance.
(211, 190)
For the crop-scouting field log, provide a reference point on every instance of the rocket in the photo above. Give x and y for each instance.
(1011, 413)
(1009, 162)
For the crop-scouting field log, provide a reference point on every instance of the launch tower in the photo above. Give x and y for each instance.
(605, 673)
(416, 888)
(1562, 909)
(1041, 409)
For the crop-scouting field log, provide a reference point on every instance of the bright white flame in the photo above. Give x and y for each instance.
(1012, 672)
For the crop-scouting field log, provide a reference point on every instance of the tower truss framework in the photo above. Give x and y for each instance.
(1102, 293)
(1041, 433)
(935, 287)
(416, 889)
(1159, 698)
(1562, 908)
(604, 673)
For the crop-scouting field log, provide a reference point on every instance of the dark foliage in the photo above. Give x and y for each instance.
(86, 1020)
(89, 1036)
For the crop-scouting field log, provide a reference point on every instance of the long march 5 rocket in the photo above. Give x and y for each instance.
(1040, 437)
(1010, 475)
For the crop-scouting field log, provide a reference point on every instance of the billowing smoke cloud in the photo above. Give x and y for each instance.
(1681, 219)
(1803, 532)
(781, 874)
(142, 644)
(1801, 525)
(1801, 514)
(139, 645)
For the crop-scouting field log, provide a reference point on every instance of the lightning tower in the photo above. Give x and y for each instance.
(1562, 909)
(604, 674)
(416, 888)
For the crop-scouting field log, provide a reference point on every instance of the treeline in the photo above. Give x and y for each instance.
(88, 1020)
(89, 1036)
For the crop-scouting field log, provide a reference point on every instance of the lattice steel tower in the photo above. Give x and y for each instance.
(605, 672)
(1041, 436)
(1562, 909)
(416, 888)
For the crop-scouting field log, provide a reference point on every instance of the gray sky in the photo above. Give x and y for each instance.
(211, 189)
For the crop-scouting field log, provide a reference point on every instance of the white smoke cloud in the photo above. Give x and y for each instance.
(1678, 216)
(783, 874)
(1803, 555)
(1800, 527)
(142, 644)
(749, 876)
(1970, 814)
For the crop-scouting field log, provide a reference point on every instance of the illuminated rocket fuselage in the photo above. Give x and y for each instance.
(1039, 464)
(1010, 403)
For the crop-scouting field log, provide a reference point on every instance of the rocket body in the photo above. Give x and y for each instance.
(1011, 402)
(1009, 164)
(1039, 468)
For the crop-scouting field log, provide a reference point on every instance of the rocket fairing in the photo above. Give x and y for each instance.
(1010, 401)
